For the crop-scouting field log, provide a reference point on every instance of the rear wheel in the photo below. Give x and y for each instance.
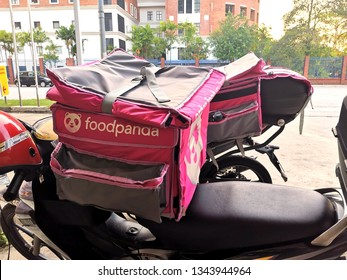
(42, 84)
(23, 240)
(238, 168)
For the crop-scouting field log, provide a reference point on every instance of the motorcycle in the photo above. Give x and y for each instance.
(228, 219)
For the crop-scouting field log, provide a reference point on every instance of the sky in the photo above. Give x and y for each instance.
(271, 13)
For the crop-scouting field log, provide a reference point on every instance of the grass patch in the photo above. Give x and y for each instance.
(26, 102)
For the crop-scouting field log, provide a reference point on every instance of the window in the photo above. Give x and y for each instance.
(181, 53)
(197, 25)
(252, 15)
(108, 22)
(15, 2)
(37, 24)
(122, 44)
(17, 25)
(109, 44)
(56, 24)
(243, 11)
(121, 4)
(159, 16)
(107, 2)
(196, 6)
(34, 2)
(54, 1)
(70, 1)
(59, 49)
(121, 24)
(149, 15)
(189, 6)
(181, 6)
(186, 6)
(39, 50)
(180, 32)
(132, 9)
(229, 8)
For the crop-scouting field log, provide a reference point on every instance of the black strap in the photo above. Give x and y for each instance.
(147, 73)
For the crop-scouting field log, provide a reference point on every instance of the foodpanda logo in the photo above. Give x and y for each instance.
(72, 122)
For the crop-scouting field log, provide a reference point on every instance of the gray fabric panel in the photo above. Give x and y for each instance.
(234, 127)
(144, 203)
(70, 159)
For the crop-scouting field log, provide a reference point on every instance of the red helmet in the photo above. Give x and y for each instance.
(17, 148)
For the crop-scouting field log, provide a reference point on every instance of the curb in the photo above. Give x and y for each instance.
(25, 109)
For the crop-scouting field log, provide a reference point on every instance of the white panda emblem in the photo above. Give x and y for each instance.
(72, 122)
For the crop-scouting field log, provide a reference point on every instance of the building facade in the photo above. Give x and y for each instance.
(205, 14)
(119, 16)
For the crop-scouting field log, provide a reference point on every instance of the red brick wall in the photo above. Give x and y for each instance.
(171, 9)
(213, 11)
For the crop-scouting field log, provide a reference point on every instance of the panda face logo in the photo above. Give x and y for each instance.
(72, 122)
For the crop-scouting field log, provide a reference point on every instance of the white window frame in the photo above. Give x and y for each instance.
(20, 25)
(243, 7)
(54, 3)
(15, 2)
(54, 21)
(131, 9)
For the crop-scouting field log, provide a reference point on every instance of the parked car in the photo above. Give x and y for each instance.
(28, 78)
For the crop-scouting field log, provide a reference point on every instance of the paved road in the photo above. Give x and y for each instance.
(308, 159)
(27, 92)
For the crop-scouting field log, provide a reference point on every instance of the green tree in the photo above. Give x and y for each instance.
(199, 48)
(336, 35)
(316, 23)
(142, 40)
(6, 42)
(67, 34)
(263, 43)
(167, 35)
(234, 38)
(50, 55)
(194, 46)
(288, 52)
(39, 36)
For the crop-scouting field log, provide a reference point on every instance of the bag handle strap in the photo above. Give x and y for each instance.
(147, 73)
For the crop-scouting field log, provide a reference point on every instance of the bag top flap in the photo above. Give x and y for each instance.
(248, 65)
(124, 77)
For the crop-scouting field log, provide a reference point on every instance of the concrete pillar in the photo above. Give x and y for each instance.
(306, 65)
(197, 62)
(344, 70)
(42, 65)
(10, 70)
(70, 61)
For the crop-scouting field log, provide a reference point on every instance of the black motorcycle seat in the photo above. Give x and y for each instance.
(240, 214)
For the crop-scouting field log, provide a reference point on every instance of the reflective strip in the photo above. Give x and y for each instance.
(14, 141)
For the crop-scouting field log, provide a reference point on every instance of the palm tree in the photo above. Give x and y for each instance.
(6, 42)
(67, 34)
(51, 56)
